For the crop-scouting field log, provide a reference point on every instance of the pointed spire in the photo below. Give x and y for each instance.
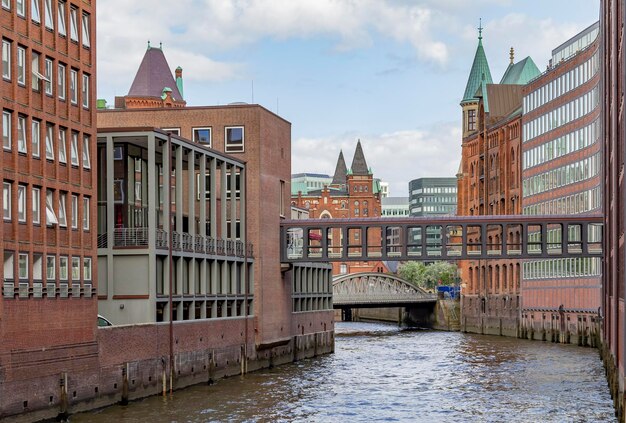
(480, 30)
(480, 67)
(153, 76)
(340, 171)
(359, 165)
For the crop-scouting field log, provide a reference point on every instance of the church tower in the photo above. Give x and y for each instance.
(479, 75)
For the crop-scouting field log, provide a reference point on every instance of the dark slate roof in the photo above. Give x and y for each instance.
(359, 165)
(153, 76)
(340, 171)
(479, 72)
(521, 72)
(504, 99)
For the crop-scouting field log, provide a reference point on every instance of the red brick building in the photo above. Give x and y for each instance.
(561, 174)
(352, 193)
(489, 184)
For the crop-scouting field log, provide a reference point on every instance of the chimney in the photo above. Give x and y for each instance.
(179, 81)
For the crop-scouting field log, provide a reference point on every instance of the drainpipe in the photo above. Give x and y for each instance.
(245, 264)
(170, 240)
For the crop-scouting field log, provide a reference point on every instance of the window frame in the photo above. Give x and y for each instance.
(48, 17)
(74, 158)
(7, 130)
(73, 86)
(6, 54)
(73, 24)
(20, 8)
(62, 138)
(86, 153)
(62, 216)
(36, 205)
(48, 86)
(35, 137)
(63, 268)
(75, 274)
(35, 12)
(21, 203)
(228, 148)
(22, 272)
(21, 134)
(51, 268)
(87, 269)
(51, 217)
(198, 140)
(74, 206)
(85, 30)
(49, 142)
(21, 66)
(85, 91)
(86, 207)
(62, 23)
(61, 82)
(6, 200)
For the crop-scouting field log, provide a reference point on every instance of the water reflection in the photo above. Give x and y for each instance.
(381, 373)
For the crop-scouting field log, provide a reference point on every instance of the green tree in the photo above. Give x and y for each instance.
(413, 271)
(428, 276)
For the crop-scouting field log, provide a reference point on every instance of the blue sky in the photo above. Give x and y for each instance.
(388, 72)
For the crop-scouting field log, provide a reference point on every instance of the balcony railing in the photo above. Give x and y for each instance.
(130, 237)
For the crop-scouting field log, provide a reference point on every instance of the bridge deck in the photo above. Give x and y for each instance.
(442, 238)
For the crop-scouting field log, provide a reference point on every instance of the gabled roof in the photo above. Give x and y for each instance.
(339, 177)
(359, 165)
(521, 72)
(153, 76)
(479, 72)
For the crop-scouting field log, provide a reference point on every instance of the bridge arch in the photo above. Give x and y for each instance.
(372, 289)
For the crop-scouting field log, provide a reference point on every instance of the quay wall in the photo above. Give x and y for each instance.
(130, 362)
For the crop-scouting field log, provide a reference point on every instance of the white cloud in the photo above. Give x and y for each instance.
(395, 157)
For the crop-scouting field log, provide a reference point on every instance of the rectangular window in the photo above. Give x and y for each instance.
(48, 77)
(63, 268)
(20, 7)
(75, 268)
(61, 17)
(234, 139)
(62, 145)
(62, 210)
(6, 200)
(21, 134)
(8, 265)
(37, 267)
(74, 149)
(49, 142)
(51, 217)
(87, 269)
(50, 268)
(6, 59)
(49, 21)
(86, 155)
(6, 130)
(86, 213)
(202, 135)
(73, 25)
(86, 33)
(85, 91)
(73, 82)
(34, 69)
(36, 193)
(21, 65)
(34, 11)
(74, 212)
(21, 203)
(22, 266)
(175, 131)
(61, 81)
(6, 4)
(35, 129)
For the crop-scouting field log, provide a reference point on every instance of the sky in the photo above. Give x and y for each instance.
(388, 72)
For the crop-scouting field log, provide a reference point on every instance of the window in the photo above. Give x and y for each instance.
(21, 203)
(48, 77)
(49, 143)
(74, 149)
(21, 134)
(35, 136)
(6, 200)
(63, 268)
(86, 156)
(234, 139)
(51, 217)
(85, 92)
(20, 7)
(22, 266)
(237, 184)
(6, 4)
(34, 11)
(62, 147)
(74, 212)
(6, 130)
(37, 267)
(471, 120)
(87, 269)
(61, 81)
(8, 265)
(50, 268)
(75, 268)
(85, 33)
(35, 75)
(6, 59)
(49, 21)
(21, 65)
(73, 25)
(86, 213)
(36, 193)
(202, 135)
(61, 16)
(62, 210)
(73, 81)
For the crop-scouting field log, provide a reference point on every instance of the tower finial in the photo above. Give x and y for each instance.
(161, 46)
(512, 55)
(148, 44)
(480, 28)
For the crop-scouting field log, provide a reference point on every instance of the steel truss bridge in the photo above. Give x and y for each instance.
(363, 290)
(442, 238)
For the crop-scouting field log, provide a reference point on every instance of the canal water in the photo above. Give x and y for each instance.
(382, 373)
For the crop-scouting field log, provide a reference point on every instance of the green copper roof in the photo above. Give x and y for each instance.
(480, 70)
(521, 72)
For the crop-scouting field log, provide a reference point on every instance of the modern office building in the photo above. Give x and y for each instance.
(305, 182)
(48, 306)
(489, 184)
(394, 206)
(433, 196)
(561, 174)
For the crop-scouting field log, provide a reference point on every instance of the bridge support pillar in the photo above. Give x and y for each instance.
(346, 314)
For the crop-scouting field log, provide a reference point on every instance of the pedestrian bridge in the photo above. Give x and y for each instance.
(442, 238)
(368, 290)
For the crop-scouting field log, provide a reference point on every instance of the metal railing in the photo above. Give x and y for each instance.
(130, 237)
